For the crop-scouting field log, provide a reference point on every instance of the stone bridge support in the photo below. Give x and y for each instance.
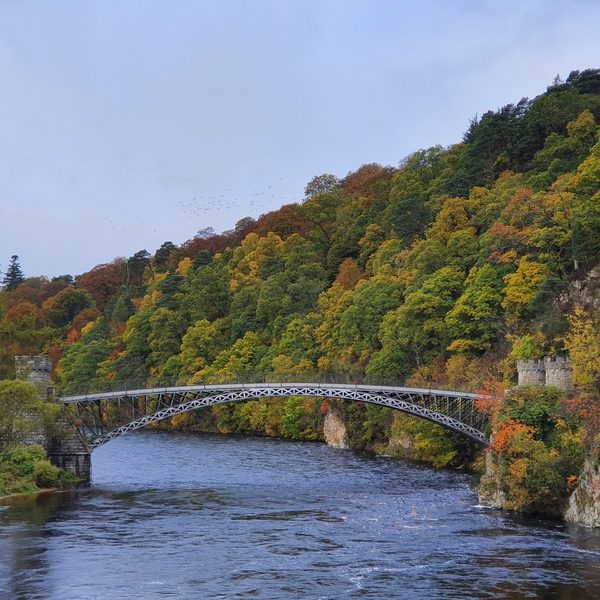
(67, 451)
(65, 448)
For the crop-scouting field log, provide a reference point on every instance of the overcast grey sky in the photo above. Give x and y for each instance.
(127, 123)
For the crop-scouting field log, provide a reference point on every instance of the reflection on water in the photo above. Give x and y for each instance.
(180, 516)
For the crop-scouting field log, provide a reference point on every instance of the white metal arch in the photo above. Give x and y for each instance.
(408, 400)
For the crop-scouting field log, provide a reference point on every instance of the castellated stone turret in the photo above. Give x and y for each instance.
(64, 446)
(35, 369)
(551, 370)
(531, 372)
(558, 372)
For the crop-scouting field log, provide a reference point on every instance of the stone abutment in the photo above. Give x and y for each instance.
(63, 444)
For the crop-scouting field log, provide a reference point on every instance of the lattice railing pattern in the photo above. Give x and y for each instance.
(103, 416)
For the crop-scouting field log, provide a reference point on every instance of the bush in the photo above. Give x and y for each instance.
(24, 459)
(45, 474)
(537, 451)
(535, 406)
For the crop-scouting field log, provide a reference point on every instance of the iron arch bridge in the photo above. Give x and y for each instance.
(100, 417)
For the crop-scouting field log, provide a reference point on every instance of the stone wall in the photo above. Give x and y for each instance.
(551, 370)
(35, 369)
(531, 372)
(66, 450)
(64, 446)
(558, 372)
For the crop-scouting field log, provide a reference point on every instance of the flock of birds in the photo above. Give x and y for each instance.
(257, 200)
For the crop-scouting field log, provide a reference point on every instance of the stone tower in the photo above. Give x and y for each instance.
(64, 446)
(35, 369)
(531, 372)
(558, 372)
(551, 370)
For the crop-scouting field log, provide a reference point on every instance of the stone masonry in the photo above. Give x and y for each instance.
(558, 372)
(551, 370)
(64, 446)
(531, 372)
(36, 370)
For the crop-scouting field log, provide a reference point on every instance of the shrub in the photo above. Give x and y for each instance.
(535, 406)
(24, 459)
(45, 474)
(537, 450)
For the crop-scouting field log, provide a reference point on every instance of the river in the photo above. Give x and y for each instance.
(172, 515)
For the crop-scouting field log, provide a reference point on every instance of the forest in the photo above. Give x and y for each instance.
(443, 270)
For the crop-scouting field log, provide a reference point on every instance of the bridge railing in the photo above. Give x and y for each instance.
(244, 378)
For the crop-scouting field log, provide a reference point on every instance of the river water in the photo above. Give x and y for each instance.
(171, 515)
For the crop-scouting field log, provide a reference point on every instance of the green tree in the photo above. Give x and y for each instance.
(408, 211)
(200, 345)
(360, 322)
(13, 277)
(136, 266)
(473, 322)
(240, 360)
(22, 412)
(163, 257)
(321, 184)
(78, 368)
(418, 326)
(562, 154)
(206, 293)
(167, 327)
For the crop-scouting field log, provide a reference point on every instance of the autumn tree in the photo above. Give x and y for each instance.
(104, 282)
(523, 286)
(62, 308)
(320, 184)
(583, 344)
(428, 271)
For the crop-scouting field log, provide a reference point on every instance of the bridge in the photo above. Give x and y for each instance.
(101, 416)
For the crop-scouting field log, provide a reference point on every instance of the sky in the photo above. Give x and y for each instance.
(125, 124)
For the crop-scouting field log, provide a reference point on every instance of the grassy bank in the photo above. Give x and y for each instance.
(27, 471)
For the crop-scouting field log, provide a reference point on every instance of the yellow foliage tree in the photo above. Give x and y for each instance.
(522, 286)
(583, 343)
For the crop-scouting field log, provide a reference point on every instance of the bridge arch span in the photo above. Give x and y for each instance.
(455, 411)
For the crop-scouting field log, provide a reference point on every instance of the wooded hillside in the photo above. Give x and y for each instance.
(441, 270)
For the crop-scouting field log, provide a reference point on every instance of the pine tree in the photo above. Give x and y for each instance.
(14, 275)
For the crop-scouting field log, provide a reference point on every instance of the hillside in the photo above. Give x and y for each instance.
(442, 271)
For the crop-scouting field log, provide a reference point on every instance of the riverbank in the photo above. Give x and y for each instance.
(26, 471)
(19, 497)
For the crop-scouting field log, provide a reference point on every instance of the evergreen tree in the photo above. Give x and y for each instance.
(14, 275)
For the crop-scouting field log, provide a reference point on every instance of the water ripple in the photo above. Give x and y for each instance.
(182, 516)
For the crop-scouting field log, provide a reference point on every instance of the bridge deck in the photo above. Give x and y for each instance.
(107, 414)
(273, 385)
